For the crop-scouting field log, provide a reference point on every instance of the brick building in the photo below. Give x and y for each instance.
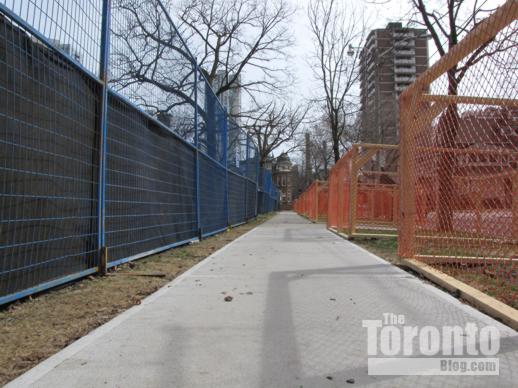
(282, 171)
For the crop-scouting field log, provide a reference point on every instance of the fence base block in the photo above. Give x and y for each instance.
(341, 234)
(481, 301)
(366, 235)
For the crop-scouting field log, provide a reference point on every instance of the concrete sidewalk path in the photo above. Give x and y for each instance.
(300, 294)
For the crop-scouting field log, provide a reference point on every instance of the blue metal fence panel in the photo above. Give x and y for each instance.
(73, 27)
(212, 196)
(172, 165)
(150, 199)
(48, 168)
(251, 199)
(151, 66)
(267, 192)
(236, 198)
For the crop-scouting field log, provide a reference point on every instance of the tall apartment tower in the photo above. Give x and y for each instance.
(391, 60)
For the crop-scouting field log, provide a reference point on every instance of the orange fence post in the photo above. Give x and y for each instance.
(361, 191)
(353, 191)
(515, 207)
(315, 196)
(459, 158)
(407, 180)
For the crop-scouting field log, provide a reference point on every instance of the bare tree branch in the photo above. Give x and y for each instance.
(275, 125)
(335, 30)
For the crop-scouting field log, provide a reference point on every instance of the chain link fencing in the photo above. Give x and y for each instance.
(313, 202)
(113, 144)
(361, 196)
(459, 159)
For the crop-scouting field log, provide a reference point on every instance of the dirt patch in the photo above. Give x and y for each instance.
(501, 287)
(500, 283)
(35, 328)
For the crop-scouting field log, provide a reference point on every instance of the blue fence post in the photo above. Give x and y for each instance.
(256, 181)
(247, 174)
(225, 159)
(197, 152)
(103, 134)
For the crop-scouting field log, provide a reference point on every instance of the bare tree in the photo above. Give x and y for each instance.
(447, 25)
(334, 30)
(152, 65)
(231, 37)
(320, 151)
(275, 125)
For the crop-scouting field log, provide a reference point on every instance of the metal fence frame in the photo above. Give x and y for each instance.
(418, 108)
(255, 200)
(336, 201)
(313, 202)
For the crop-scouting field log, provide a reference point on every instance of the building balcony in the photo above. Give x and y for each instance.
(404, 70)
(404, 52)
(406, 34)
(405, 61)
(404, 79)
(371, 85)
(371, 65)
(404, 43)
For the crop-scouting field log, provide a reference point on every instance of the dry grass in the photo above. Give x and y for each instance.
(501, 284)
(383, 247)
(501, 287)
(34, 329)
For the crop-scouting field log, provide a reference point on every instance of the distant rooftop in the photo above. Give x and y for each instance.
(394, 26)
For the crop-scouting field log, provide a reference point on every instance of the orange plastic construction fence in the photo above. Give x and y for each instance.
(459, 159)
(364, 191)
(313, 203)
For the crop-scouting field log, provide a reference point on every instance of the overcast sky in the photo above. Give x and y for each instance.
(305, 87)
(377, 16)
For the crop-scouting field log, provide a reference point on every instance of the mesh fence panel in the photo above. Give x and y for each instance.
(338, 187)
(236, 199)
(267, 194)
(364, 190)
(377, 189)
(213, 190)
(151, 184)
(322, 201)
(235, 150)
(251, 200)
(313, 202)
(73, 26)
(48, 168)
(150, 65)
(459, 138)
(163, 179)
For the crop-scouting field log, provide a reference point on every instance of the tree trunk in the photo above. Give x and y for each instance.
(326, 161)
(336, 144)
(448, 128)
